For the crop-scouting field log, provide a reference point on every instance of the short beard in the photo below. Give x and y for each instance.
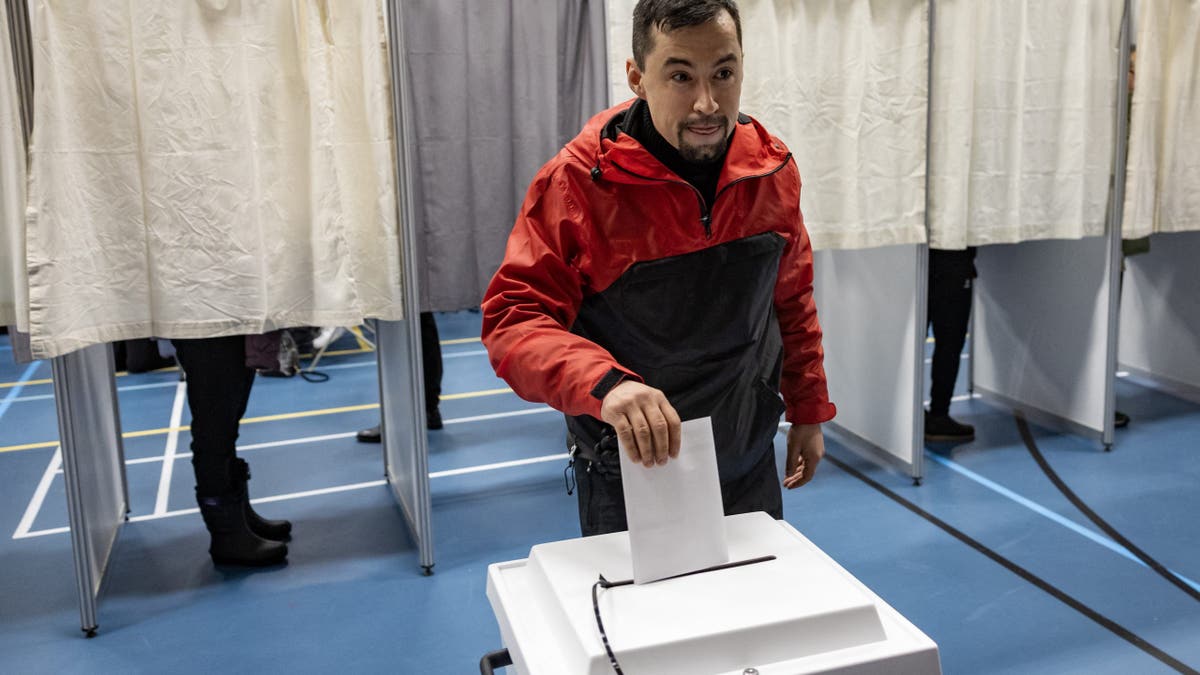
(704, 154)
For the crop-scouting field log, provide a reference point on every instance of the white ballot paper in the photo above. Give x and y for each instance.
(675, 514)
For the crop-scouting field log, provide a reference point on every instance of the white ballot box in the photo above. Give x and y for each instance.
(798, 613)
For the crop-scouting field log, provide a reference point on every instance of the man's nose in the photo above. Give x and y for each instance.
(705, 104)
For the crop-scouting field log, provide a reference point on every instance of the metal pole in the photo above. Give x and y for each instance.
(401, 121)
(18, 28)
(918, 440)
(81, 541)
(73, 374)
(1116, 216)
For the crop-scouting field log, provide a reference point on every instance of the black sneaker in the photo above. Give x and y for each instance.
(1120, 419)
(943, 428)
(371, 435)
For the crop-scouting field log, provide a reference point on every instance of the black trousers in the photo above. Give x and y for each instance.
(602, 497)
(950, 281)
(218, 388)
(431, 361)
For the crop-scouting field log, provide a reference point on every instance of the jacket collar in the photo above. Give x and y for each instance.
(620, 158)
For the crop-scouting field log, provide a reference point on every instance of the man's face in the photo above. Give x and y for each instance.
(693, 83)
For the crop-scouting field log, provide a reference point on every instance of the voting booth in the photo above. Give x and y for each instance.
(797, 611)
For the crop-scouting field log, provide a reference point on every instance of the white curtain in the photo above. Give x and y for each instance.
(844, 84)
(13, 294)
(209, 167)
(1024, 103)
(1162, 179)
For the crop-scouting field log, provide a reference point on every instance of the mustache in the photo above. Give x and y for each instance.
(715, 121)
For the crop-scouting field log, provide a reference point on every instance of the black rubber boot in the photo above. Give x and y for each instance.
(275, 530)
(232, 541)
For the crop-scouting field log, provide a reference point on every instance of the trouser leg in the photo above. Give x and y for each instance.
(601, 500)
(950, 286)
(431, 361)
(218, 387)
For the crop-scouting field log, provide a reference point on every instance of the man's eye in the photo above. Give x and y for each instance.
(724, 74)
(680, 77)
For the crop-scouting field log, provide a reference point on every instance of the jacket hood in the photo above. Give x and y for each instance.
(613, 155)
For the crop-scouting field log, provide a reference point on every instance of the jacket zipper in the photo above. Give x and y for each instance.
(705, 210)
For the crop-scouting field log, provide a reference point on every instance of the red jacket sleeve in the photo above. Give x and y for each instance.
(533, 300)
(803, 383)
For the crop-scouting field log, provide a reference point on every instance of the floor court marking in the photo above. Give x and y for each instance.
(55, 468)
(1055, 592)
(39, 497)
(1045, 512)
(173, 369)
(15, 390)
(168, 458)
(164, 385)
(269, 418)
(336, 437)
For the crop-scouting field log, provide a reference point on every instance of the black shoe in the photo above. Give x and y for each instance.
(233, 543)
(433, 419)
(943, 428)
(275, 530)
(371, 435)
(1120, 419)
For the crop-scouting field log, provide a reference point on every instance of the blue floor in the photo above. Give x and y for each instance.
(352, 596)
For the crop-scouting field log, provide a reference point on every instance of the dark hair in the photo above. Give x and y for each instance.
(668, 15)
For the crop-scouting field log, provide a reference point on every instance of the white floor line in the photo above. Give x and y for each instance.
(160, 508)
(959, 398)
(314, 493)
(457, 355)
(255, 446)
(334, 437)
(168, 459)
(39, 496)
(15, 393)
(498, 465)
(132, 387)
(964, 357)
(496, 416)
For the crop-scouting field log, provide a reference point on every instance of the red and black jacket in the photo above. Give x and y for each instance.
(617, 268)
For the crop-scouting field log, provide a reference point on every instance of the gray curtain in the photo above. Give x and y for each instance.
(498, 87)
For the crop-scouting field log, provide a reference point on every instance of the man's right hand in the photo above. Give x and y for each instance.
(645, 421)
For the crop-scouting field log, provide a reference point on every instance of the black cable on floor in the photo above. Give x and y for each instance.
(1031, 445)
(1116, 628)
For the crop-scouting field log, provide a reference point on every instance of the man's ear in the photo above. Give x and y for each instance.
(634, 75)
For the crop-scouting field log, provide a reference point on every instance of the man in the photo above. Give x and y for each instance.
(659, 270)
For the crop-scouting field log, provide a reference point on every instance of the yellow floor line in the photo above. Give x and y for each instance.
(475, 394)
(358, 336)
(460, 341)
(27, 383)
(175, 369)
(266, 418)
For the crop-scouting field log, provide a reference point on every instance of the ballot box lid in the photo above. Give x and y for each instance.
(798, 613)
